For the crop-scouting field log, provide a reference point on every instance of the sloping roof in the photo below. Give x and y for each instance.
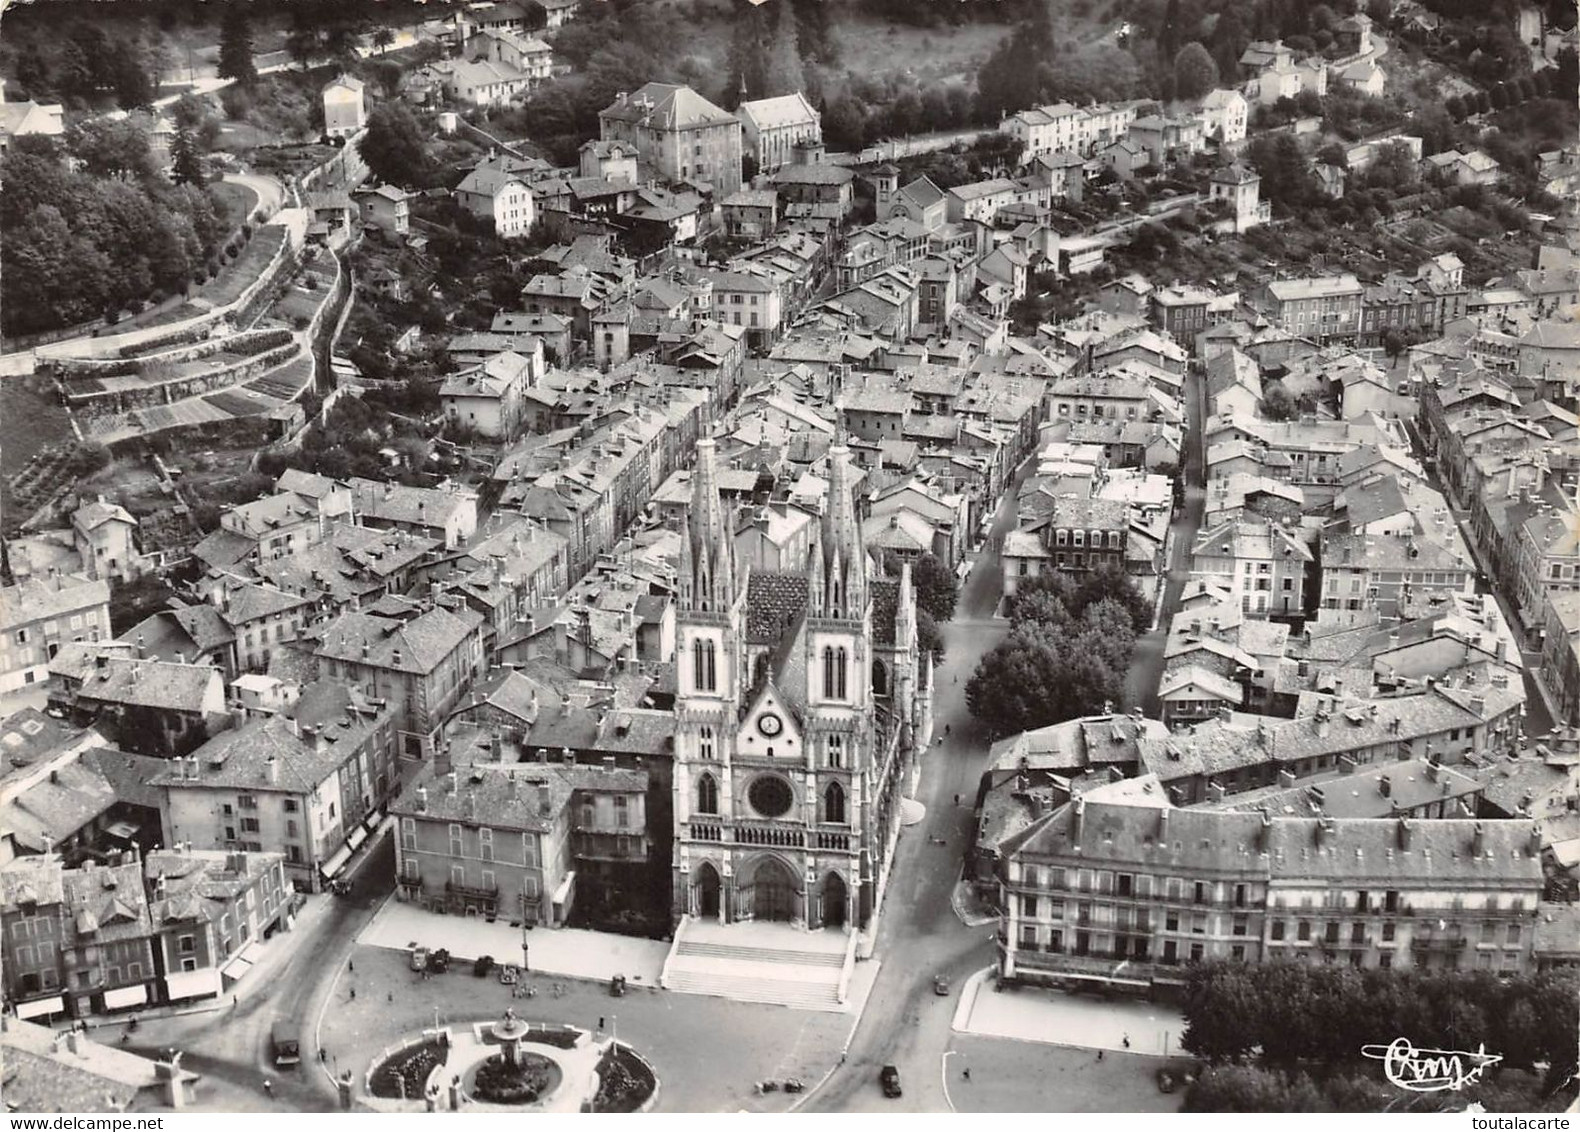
(34, 599)
(151, 683)
(418, 645)
(42, 1074)
(770, 113)
(486, 180)
(922, 192)
(668, 106)
(91, 516)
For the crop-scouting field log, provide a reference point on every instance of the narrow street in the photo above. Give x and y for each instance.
(905, 1023)
(1146, 667)
(229, 1047)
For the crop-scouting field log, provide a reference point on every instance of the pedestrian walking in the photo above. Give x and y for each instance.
(946, 729)
(957, 799)
(1099, 1055)
(966, 1073)
(600, 1021)
(389, 997)
(1125, 1041)
(235, 1001)
(353, 994)
(268, 1087)
(351, 966)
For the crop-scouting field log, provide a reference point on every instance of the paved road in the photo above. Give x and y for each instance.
(230, 1047)
(905, 1023)
(1146, 665)
(271, 194)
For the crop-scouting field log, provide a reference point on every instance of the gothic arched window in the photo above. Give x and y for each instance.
(840, 658)
(705, 743)
(836, 751)
(707, 795)
(705, 672)
(834, 803)
(828, 672)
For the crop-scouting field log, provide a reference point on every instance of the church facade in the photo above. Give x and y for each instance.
(801, 706)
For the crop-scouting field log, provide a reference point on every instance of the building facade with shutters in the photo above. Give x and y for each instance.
(1125, 891)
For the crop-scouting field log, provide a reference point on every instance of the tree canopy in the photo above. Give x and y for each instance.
(1066, 654)
(78, 243)
(1195, 72)
(395, 146)
(1299, 1013)
(235, 44)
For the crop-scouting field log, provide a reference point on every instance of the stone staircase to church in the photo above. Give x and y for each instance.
(769, 963)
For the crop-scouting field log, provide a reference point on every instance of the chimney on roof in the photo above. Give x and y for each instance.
(422, 799)
(1478, 840)
(545, 800)
(271, 770)
(1346, 764)
(1321, 720)
(1215, 791)
(1286, 778)
(452, 782)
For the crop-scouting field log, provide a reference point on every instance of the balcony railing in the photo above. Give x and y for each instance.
(490, 893)
(707, 831)
(1438, 943)
(746, 833)
(837, 842)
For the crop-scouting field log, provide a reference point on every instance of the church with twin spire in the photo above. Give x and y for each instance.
(802, 704)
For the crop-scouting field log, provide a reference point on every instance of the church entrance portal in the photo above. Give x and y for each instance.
(773, 891)
(833, 901)
(707, 886)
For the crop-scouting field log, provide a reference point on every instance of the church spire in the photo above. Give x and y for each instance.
(708, 558)
(844, 559)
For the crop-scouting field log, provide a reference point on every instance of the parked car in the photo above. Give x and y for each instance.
(940, 984)
(889, 1078)
(419, 958)
(439, 961)
(484, 964)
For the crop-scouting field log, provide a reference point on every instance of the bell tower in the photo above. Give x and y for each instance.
(709, 670)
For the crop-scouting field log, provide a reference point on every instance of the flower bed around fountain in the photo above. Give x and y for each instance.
(498, 1081)
(625, 1081)
(410, 1066)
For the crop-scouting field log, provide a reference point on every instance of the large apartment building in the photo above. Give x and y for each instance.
(1321, 307)
(678, 135)
(421, 663)
(1120, 889)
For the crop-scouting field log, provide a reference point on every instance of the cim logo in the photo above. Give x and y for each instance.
(1430, 1070)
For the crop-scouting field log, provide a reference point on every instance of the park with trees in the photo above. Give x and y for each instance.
(1068, 648)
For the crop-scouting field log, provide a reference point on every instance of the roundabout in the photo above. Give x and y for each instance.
(510, 1065)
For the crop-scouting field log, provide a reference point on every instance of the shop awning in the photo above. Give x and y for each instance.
(236, 968)
(562, 894)
(331, 868)
(192, 984)
(122, 997)
(40, 1007)
(358, 835)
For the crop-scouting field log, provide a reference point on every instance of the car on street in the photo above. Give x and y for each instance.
(419, 958)
(889, 1078)
(285, 1043)
(940, 984)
